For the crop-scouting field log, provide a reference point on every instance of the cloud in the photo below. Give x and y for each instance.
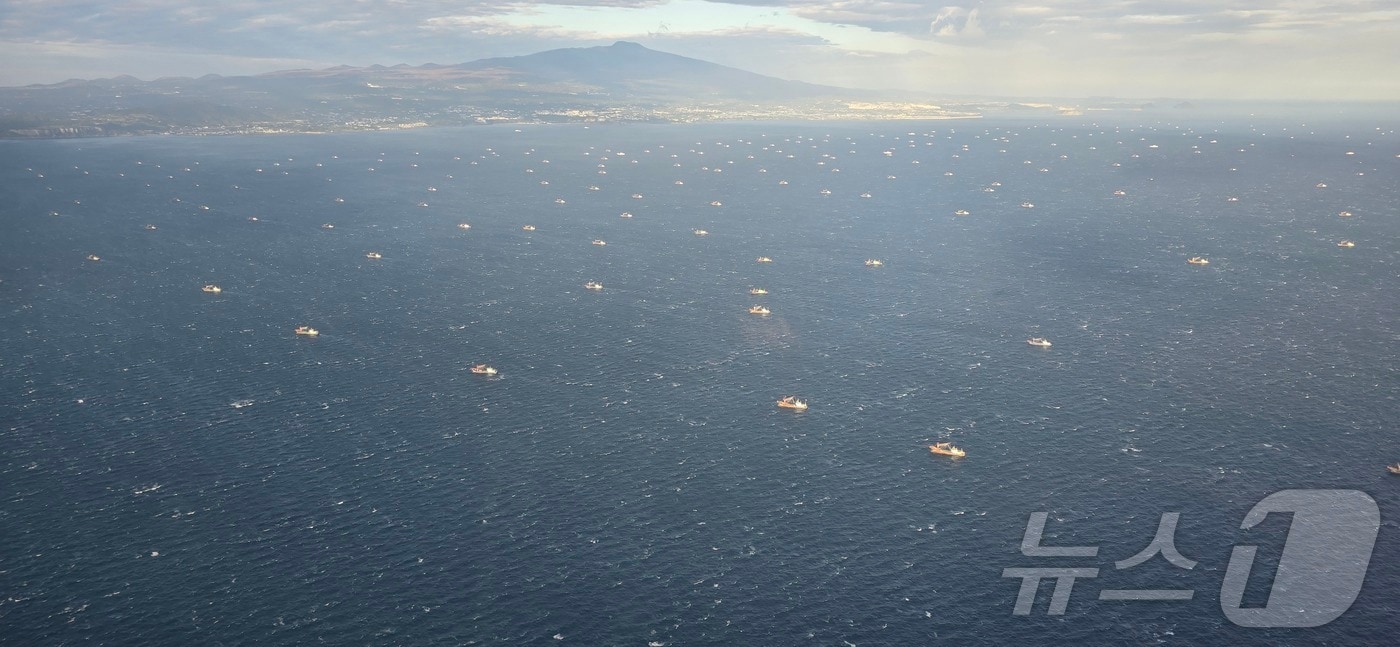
(53, 61)
(957, 22)
(1029, 44)
(1159, 19)
(260, 27)
(494, 26)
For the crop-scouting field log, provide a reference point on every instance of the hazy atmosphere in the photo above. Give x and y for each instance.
(1221, 49)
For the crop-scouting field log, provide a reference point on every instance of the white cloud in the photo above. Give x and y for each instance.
(957, 22)
(53, 61)
(499, 27)
(1191, 47)
(1158, 19)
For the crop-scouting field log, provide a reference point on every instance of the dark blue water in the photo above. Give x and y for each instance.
(180, 468)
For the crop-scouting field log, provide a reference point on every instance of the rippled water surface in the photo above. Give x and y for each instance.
(178, 467)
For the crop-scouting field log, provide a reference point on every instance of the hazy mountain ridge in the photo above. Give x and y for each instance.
(631, 69)
(621, 82)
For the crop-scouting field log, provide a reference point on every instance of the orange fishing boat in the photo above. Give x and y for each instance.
(791, 402)
(946, 449)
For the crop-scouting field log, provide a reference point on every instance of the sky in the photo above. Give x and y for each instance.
(1327, 50)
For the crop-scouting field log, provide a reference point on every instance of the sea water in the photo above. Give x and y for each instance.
(179, 467)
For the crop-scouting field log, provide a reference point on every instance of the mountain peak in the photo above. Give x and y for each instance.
(629, 69)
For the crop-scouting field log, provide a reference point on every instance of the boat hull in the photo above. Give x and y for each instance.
(940, 451)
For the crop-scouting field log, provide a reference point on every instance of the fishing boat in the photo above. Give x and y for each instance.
(463, 226)
(757, 291)
(946, 449)
(874, 262)
(700, 232)
(600, 243)
(528, 228)
(482, 369)
(374, 256)
(1039, 342)
(1346, 243)
(759, 310)
(94, 257)
(212, 289)
(1198, 260)
(962, 212)
(593, 285)
(307, 331)
(1393, 469)
(764, 259)
(791, 402)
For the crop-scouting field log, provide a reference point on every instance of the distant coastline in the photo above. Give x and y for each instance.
(621, 83)
(76, 125)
